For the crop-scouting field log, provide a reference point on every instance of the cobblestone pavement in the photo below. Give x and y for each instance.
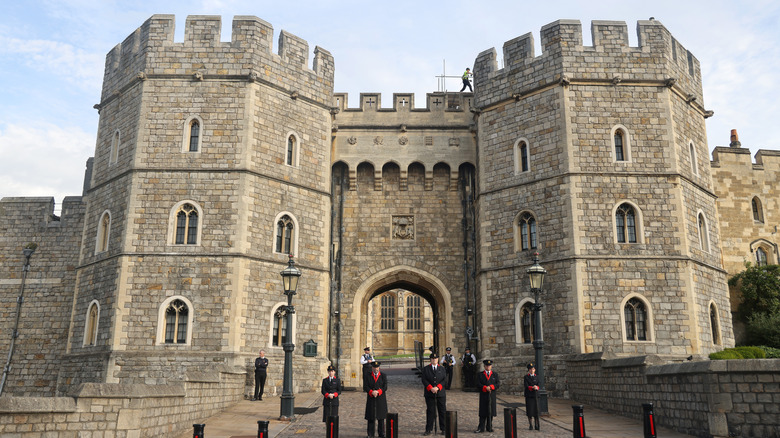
(405, 397)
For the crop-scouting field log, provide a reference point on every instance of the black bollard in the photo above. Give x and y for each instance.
(332, 427)
(262, 429)
(510, 423)
(391, 426)
(451, 424)
(578, 425)
(197, 430)
(649, 421)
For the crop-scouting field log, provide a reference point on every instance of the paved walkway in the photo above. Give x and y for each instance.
(405, 397)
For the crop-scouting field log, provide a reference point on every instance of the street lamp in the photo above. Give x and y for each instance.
(536, 275)
(290, 276)
(28, 251)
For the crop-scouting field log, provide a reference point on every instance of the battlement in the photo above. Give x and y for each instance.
(404, 102)
(658, 57)
(151, 51)
(739, 159)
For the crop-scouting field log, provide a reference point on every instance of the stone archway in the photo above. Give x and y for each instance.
(411, 279)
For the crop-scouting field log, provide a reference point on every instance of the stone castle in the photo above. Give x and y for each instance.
(216, 159)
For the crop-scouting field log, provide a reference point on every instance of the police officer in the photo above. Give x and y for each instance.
(261, 372)
(366, 359)
(487, 383)
(331, 387)
(469, 362)
(448, 361)
(433, 378)
(375, 387)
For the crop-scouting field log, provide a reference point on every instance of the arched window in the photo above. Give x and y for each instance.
(522, 160)
(625, 224)
(527, 322)
(526, 225)
(280, 327)
(636, 320)
(91, 326)
(114, 155)
(413, 312)
(758, 213)
(704, 238)
(619, 152)
(694, 162)
(187, 225)
(388, 312)
(761, 257)
(714, 324)
(194, 143)
(104, 231)
(176, 322)
(292, 150)
(284, 235)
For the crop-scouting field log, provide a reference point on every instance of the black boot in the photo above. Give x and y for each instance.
(536, 421)
(530, 423)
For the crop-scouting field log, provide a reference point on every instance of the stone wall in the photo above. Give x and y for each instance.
(123, 411)
(704, 398)
(43, 323)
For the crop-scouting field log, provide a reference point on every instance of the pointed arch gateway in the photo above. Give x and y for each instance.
(411, 279)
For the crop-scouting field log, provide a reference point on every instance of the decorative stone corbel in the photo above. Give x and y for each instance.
(564, 81)
(517, 96)
(402, 128)
(690, 98)
(670, 82)
(294, 95)
(708, 114)
(616, 80)
(198, 76)
(141, 75)
(252, 76)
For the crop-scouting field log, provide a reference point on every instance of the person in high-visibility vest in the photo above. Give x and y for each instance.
(466, 81)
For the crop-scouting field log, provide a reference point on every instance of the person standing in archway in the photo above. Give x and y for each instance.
(366, 360)
(448, 361)
(433, 379)
(375, 386)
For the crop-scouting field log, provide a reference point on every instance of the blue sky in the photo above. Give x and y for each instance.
(52, 55)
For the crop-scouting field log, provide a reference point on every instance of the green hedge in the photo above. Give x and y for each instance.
(740, 353)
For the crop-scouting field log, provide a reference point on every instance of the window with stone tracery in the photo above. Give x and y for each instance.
(90, 330)
(526, 226)
(758, 213)
(625, 224)
(635, 316)
(413, 312)
(387, 309)
(187, 225)
(104, 232)
(176, 317)
(527, 322)
(284, 235)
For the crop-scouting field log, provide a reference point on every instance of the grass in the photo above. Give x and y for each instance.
(396, 356)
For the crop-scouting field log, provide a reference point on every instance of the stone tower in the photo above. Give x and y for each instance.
(596, 156)
(204, 147)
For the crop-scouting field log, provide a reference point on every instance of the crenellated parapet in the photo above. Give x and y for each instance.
(739, 160)
(404, 103)
(150, 52)
(658, 60)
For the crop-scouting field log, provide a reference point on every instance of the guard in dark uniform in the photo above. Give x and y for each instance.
(487, 383)
(331, 388)
(261, 372)
(531, 393)
(448, 361)
(375, 386)
(433, 379)
(469, 363)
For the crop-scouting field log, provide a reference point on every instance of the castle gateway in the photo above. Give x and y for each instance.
(215, 160)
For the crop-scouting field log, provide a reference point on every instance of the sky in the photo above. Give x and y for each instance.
(52, 55)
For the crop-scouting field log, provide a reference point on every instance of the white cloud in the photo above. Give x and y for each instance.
(42, 159)
(57, 58)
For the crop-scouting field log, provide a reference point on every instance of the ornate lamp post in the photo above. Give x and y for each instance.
(536, 275)
(290, 276)
(28, 252)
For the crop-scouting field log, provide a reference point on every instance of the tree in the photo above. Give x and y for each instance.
(760, 288)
